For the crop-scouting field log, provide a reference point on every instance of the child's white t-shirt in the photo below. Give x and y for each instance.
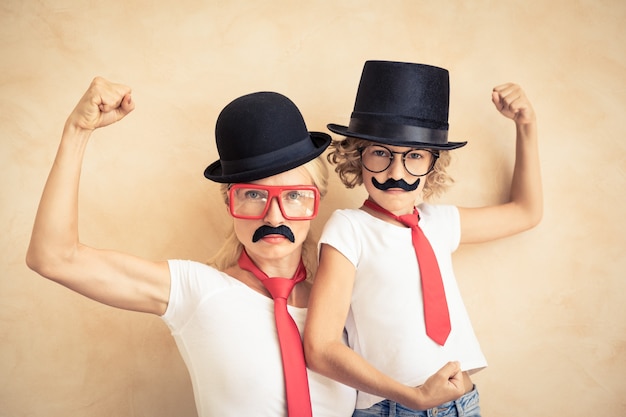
(385, 322)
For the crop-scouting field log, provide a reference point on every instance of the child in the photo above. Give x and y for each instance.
(370, 279)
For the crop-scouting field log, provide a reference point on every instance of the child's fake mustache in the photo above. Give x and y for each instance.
(391, 183)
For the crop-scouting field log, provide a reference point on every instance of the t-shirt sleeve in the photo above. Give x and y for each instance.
(175, 315)
(340, 233)
(452, 220)
(190, 283)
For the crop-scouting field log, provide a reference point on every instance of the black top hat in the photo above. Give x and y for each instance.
(259, 135)
(403, 104)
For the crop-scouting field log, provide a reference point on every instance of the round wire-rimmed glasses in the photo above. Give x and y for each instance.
(252, 201)
(417, 162)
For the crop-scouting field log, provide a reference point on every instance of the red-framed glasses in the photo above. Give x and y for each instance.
(252, 201)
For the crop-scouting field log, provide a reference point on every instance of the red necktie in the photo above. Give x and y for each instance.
(294, 366)
(436, 315)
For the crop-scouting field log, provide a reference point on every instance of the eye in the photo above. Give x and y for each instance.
(416, 154)
(379, 152)
(254, 194)
(293, 195)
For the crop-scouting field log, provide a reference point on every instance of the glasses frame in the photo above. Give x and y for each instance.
(274, 192)
(404, 154)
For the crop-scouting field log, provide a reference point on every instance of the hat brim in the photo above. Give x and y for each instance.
(345, 131)
(320, 142)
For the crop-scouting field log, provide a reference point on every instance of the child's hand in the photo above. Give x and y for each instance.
(511, 101)
(102, 104)
(443, 386)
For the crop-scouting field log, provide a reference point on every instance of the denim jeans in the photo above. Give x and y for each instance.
(466, 406)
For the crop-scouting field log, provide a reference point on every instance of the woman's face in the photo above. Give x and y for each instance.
(269, 238)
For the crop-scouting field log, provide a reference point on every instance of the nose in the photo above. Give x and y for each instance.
(274, 215)
(396, 169)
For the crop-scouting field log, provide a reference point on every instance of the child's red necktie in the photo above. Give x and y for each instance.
(436, 315)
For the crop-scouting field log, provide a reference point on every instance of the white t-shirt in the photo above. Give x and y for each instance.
(385, 323)
(226, 334)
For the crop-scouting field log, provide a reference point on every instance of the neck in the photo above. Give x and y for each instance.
(290, 269)
(284, 267)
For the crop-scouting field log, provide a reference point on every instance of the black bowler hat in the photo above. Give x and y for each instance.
(403, 104)
(259, 135)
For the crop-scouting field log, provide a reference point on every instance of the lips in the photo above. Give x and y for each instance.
(265, 230)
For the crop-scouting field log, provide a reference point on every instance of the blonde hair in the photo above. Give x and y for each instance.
(230, 251)
(345, 155)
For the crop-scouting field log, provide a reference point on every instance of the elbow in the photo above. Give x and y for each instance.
(536, 219)
(532, 219)
(321, 354)
(44, 261)
(312, 354)
(535, 216)
(33, 260)
(527, 216)
(37, 262)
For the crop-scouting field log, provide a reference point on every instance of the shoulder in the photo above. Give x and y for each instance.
(347, 222)
(440, 214)
(182, 267)
(441, 222)
(340, 219)
(428, 210)
(198, 276)
(346, 213)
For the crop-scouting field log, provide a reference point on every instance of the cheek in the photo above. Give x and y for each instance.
(300, 229)
(367, 178)
(244, 230)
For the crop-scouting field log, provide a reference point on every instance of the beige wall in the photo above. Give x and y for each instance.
(548, 305)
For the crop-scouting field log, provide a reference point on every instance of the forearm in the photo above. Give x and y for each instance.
(337, 361)
(526, 188)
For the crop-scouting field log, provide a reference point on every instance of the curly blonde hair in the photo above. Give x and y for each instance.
(345, 155)
(230, 251)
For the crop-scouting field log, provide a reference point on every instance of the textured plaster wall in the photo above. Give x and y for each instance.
(549, 305)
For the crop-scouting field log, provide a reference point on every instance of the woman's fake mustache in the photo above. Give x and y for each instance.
(264, 230)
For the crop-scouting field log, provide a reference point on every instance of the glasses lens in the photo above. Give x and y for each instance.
(376, 158)
(298, 203)
(248, 202)
(418, 162)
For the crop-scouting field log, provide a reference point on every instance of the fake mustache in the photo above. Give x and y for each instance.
(391, 183)
(282, 230)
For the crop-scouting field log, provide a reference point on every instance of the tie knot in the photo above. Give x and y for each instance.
(410, 220)
(279, 287)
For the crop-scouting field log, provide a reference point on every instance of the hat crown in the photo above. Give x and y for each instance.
(399, 92)
(256, 124)
(259, 135)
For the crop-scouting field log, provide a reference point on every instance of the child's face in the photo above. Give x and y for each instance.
(387, 179)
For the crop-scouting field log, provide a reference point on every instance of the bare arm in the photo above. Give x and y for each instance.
(55, 251)
(326, 354)
(524, 208)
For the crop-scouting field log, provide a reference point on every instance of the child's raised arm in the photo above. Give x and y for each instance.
(524, 208)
